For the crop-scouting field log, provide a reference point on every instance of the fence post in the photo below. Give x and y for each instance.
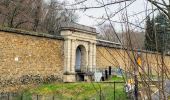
(114, 91)
(106, 75)
(102, 78)
(110, 70)
(53, 97)
(21, 96)
(8, 95)
(37, 97)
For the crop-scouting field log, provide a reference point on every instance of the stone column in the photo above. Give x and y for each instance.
(67, 55)
(73, 56)
(69, 76)
(87, 57)
(94, 55)
(90, 56)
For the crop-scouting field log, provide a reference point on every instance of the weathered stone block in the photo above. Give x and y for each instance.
(69, 78)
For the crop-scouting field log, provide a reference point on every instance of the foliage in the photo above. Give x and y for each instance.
(150, 35)
(157, 35)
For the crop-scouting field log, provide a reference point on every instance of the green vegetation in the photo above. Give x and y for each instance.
(78, 91)
(168, 97)
(116, 78)
(158, 25)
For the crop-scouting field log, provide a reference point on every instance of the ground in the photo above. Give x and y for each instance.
(77, 91)
(73, 91)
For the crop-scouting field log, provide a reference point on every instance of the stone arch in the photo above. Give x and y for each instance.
(83, 40)
(80, 59)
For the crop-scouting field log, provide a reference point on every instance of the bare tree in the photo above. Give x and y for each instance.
(162, 5)
(53, 18)
(34, 15)
(107, 33)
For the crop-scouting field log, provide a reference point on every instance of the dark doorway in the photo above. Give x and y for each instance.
(80, 77)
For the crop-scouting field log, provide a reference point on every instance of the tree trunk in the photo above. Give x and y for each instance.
(169, 12)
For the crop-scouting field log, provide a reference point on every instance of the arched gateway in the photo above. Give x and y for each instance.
(80, 58)
(80, 65)
(79, 52)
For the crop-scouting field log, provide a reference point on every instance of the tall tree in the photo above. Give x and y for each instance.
(156, 35)
(161, 22)
(150, 43)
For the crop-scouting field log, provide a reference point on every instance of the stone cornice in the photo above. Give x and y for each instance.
(31, 33)
(78, 28)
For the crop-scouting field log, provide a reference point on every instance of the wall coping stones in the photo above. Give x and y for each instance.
(105, 43)
(78, 27)
(31, 33)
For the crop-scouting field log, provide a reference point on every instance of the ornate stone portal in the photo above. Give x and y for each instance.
(79, 51)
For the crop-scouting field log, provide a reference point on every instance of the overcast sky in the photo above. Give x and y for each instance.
(137, 6)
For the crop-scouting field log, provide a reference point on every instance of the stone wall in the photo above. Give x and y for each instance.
(116, 57)
(27, 56)
(30, 56)
(110, 56)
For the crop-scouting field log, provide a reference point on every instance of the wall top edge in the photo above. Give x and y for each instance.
(78, 28)
(31, 33)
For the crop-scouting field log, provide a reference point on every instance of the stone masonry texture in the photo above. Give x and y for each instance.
(116, 57)
(27, 56)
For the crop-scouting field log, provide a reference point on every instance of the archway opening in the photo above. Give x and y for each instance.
(80, 63)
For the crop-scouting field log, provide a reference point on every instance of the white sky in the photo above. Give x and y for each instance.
(137, 6)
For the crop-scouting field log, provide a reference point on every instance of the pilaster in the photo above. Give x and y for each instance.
(94, 56)
(73, 56)
(67, 55)
(90, 56)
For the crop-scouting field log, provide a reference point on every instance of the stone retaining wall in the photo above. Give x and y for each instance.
(26, 56)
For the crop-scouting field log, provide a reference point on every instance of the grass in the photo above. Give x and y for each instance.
(116, 78)
(168, 97)
(78, 91)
